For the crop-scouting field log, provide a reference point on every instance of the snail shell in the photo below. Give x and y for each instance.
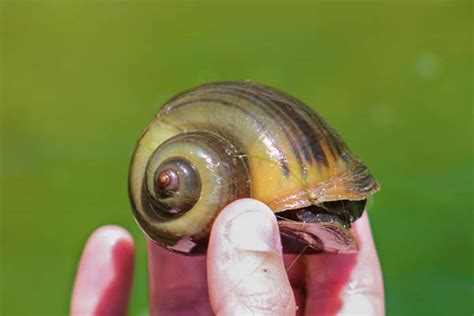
(219, 142)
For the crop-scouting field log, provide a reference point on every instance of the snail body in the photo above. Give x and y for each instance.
(219, 142)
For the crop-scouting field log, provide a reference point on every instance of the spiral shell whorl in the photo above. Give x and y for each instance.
(222, 178)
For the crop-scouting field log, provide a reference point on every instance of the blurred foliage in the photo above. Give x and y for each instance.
(80, 80)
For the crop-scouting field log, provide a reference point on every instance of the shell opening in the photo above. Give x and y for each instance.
(320, 228)
(344, 212)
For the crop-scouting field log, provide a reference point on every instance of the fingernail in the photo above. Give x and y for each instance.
(255, 230)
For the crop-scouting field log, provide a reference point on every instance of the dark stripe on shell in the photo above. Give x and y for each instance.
(278, 111)
(331, 138)
(335, 143)
(308, 129)
(272, 111)
(282, 159)
(314, 139)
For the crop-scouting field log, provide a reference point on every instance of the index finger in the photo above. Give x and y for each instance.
(347, 283)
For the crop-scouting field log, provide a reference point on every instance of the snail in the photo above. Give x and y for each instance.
(223, 141)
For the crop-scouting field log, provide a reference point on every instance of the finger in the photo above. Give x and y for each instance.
(104, 276)
(178, 284)
(347, 284)
(295, 268)
(364, 291)
(246, 274)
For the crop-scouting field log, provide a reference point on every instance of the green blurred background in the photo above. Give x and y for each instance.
(80, 80)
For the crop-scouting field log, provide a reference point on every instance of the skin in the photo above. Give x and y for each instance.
(244, 273)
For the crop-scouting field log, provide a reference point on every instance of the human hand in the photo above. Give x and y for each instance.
(244, 273)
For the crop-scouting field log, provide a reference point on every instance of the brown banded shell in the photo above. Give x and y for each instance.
(219, 142)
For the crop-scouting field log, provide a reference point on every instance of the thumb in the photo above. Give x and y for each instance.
(246, 274)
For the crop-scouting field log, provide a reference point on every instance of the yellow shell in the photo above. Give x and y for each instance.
(241, 139)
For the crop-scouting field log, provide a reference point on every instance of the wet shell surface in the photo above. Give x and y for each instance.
(223, 141)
